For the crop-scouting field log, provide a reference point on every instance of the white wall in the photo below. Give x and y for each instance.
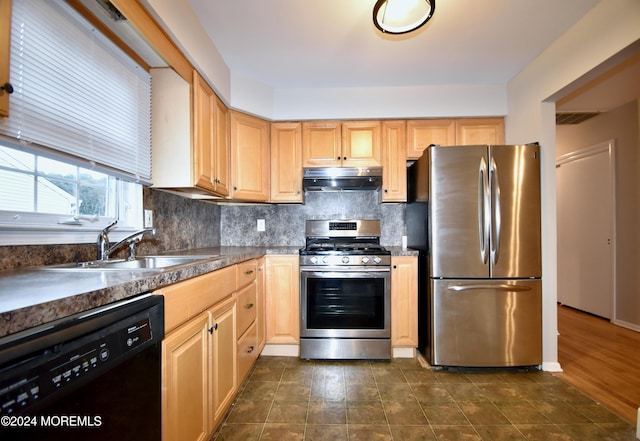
(581, 53)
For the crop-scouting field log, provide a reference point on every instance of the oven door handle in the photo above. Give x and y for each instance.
(328, 272)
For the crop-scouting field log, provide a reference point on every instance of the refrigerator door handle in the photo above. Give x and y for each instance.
(496, 218)
(494, 287)
(483, 210)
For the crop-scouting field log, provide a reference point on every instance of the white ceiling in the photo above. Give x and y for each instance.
(333, 43)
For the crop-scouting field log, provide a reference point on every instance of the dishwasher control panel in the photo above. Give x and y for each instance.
(39, 378)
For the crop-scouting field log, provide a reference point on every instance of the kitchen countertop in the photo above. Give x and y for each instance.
(31, 296)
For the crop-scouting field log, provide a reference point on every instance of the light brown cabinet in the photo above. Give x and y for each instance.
(346, 144)
(423, 132)
(394, 162)
(250, 169)
(282, 288)
(199, 368)
(222, 360)
(361, 146)
(261, 330)
(404, 301)
(5, 45)
(286, 162)
(185, 382)
(465, 131)
(472, 131)
(189, 136)
(247, 307)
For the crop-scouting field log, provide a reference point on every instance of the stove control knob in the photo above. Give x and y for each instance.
(365, 260)
(377, 259)
(313, 260)
(325, 259)
(345, 259)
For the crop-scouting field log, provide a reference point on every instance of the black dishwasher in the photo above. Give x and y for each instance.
(92, 376)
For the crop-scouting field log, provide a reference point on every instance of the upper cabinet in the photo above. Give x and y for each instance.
(480, 131)
(394, 162)
(346, 144)
(5, 40)
(189, 136)
(321, 144)
(467, 131)
(286, 162)
(361, 145)
(424, 132)
(250, 169)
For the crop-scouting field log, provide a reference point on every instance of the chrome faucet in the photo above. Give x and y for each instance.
(104, 250)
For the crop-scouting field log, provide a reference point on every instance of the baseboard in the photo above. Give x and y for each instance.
(404, 353)
(627, 325)
(551, 366)
(281, 350)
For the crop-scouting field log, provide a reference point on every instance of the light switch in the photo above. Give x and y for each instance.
(148, 218)
(261, 225)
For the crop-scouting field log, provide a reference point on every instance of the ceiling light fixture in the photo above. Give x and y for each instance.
(402, 16)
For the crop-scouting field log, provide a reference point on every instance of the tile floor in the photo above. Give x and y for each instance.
(287, 399)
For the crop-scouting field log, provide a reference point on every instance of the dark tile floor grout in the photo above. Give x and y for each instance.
(286, 398)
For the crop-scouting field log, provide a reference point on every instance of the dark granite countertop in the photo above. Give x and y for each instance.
(31, 297)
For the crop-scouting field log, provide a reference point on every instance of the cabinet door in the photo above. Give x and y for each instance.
(394, 161)
(250, 170)
(221, 165)
(222, 358)
(321, 144)
(203, 139)
(286, 162)
(480, 131)
(5, 44)
(404, 301)
(282, 286)
(185, 382)
(424, 132)
(361, 144)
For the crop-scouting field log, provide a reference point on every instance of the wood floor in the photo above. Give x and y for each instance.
(600, 359)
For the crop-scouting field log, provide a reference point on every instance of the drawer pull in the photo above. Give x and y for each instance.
(248, 273)
(250, 350)
(248, 306)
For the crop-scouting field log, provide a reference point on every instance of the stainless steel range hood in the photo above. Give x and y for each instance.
(342, 179)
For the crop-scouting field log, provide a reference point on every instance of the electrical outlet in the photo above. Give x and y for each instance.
(261, 225)
(148, 218)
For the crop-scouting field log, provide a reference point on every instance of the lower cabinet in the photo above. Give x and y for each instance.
(199, 373)
(222, 360)
(185, 382)
(404, 301)
(282, 303)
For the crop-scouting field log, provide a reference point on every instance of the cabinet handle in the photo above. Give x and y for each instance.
(235, 188)
(394, 267)
(213, 328)
(249, 272)
(250, 350)
(7, 87)
(344, 158)
(386, 191)
(248, 306)
(338, 158)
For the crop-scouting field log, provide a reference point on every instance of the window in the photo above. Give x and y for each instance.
(75, 148)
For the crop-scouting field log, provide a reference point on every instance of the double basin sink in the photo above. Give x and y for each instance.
(140, 263)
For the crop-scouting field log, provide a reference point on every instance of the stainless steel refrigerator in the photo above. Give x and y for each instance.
(473, 212)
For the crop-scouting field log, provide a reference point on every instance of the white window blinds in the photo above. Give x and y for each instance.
(77, 93)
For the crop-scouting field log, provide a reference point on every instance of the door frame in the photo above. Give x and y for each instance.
(608, 147)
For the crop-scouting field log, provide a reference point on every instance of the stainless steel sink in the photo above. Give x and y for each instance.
(141, 263)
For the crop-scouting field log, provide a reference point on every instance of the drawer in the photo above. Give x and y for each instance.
(246, 307)
(221, 284)
(247, 352)
(246, 272)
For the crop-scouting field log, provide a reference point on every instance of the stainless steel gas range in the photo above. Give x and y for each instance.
(345, 295)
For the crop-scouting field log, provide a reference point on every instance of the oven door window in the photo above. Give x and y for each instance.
(346, 303)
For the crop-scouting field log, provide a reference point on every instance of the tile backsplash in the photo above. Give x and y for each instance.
(285, 223)
(183, 223)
